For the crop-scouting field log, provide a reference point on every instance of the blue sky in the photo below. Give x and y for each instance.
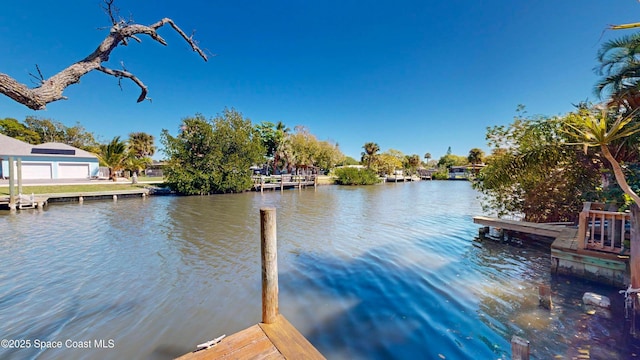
(416, 76)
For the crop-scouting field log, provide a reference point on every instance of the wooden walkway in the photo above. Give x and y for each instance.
(568, 252)
(279, 340)
(521, 226)
(260, 183)
(26, 202)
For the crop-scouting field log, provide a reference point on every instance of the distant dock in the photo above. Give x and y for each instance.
(284, 181)
(21, 202)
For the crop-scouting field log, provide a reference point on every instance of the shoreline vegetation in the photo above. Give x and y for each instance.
(39, 189)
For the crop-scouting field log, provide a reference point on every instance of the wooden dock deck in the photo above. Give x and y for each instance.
(30, 202)
(274, 337)
(548, 230)
(279, 340)
(570, 253)
(260, 183)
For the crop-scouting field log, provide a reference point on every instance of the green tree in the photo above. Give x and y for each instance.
(54, 131)
(114, 156)
(369, 154)
(620, 71)
(212, 157)
(412, 163)
(427, 157)
(49, 130)
(475, 157)
(389, 161)
(141, 145)
(532, 172)
(237, 146)
(347, 160)
(450, 160)
(15, 129)
(191, 157)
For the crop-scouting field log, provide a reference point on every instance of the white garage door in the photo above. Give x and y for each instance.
(73, 171)
(36, 171)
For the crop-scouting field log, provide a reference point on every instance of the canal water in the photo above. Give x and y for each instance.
(380, 272)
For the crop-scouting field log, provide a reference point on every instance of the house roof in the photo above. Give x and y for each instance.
(14, 147)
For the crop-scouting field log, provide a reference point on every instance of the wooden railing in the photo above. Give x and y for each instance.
(603, 230)
(283, 181)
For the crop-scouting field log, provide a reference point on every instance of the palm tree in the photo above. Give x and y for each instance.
(370, 153)
(620, 68)
(113, 155)
(475, 157)
(427, 157)
(141, 144)
(282, 146)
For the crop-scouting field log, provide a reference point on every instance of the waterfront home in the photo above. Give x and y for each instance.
(46, 161)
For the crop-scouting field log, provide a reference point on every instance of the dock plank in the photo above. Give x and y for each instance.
(250, 343)
(520, 226)
(279, 340)
(289, 341)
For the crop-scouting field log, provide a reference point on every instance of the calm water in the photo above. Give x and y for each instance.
(380, 272)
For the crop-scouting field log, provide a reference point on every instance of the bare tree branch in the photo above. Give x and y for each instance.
(40, 77)
(125, 74)
(52, 88)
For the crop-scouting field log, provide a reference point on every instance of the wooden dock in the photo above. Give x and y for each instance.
(526, 227)
(22, 202)
(274, 182)
(274, 337)
(279, 340)
(589, 251)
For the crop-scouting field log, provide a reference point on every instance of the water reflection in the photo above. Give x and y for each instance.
(389, 271)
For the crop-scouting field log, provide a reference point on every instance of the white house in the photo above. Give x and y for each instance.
(47, 161)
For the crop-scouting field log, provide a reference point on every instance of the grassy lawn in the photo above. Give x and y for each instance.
(53, 189)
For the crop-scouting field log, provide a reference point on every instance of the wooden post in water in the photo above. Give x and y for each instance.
(544, 296)
(519, 348)
(269, 257)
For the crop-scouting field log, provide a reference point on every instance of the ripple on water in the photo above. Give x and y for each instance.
(389, 271)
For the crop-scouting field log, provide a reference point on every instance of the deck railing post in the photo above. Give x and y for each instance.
(582, 225)
(269, 257)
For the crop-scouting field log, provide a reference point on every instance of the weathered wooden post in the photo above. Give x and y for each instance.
(269, 257)
(582, 225)
(544, 296)
(12, 190)
(19, 173)
(519, 348)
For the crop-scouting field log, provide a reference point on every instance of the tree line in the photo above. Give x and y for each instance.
(132, 155)
(219, 155)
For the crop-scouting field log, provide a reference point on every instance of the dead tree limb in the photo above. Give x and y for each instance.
(52, 88)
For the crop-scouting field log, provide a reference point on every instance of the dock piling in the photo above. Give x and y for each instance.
(544, 296)
(269, 257)
(519, 348)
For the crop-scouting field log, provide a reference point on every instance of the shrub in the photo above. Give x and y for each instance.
(354, 176)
